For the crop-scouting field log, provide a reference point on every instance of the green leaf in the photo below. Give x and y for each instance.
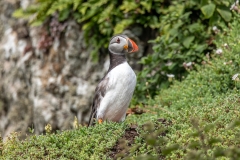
(20, 13)
(208, 127)
(83, 9)
(219, 152)
(64, 15)
(173, 31)
(147, 5)
(36, 23)
(225, 13)
(201, 48)
(76, 4)
(193, 144)
(204, 2)
(122, 25)
(208, 10)
(128, 6)
(234, 124)
(174, 45)
(105, 15)
(212, 141)
(87, 25)
(195, 27)
(215, 19)
(169, 149)
(187, 41)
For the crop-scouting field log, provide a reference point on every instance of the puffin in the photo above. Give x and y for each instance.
(114, 92)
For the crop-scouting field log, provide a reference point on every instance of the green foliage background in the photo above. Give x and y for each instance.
(183, 31)
(184, 36)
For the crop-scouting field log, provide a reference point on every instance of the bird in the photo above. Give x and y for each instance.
(115, 90)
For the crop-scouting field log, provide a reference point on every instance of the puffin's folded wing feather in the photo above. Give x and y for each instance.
(100, 92)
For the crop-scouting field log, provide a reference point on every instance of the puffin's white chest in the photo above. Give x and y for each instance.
(122, 82)
(122, 77)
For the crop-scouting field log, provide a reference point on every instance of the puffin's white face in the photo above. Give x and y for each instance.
(121, 44)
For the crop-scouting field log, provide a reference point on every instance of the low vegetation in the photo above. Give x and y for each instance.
(204, 108)
(81, 143)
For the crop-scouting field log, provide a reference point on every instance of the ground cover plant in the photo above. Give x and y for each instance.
(81, 143)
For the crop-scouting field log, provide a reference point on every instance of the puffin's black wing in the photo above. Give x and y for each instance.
(100, 92)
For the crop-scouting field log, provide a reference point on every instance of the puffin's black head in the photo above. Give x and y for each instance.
(121, 44)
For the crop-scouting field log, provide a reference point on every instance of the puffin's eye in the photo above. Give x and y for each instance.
(118, 40)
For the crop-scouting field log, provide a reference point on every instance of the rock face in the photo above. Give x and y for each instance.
(46, 78)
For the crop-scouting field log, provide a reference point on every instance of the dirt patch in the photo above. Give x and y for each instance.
(165, 123)
(122, 147)
(130, 134)
(123, 144)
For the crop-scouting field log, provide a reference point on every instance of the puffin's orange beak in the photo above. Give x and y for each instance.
(132, 46)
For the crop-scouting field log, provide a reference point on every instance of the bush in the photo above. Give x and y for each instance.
(184, 38)
(182, 28)
(100, 19)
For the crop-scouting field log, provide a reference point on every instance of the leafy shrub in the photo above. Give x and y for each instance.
(100, 19)
(212, 78)
(185, 37)
(183, 30)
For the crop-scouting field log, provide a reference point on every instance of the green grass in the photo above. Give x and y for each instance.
(202, 114)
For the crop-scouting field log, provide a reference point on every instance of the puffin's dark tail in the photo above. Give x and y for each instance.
(91, 121)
